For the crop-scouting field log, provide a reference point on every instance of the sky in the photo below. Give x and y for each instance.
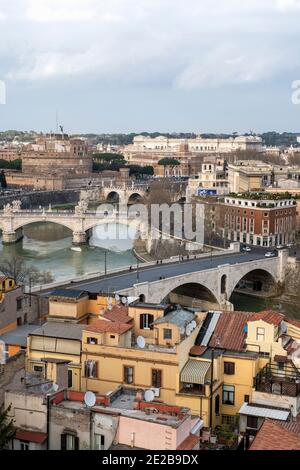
(150, 65)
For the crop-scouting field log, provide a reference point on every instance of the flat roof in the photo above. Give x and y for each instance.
(264, 412)
(179, 317)
(60, 330)
(69, 293)
(18, 336)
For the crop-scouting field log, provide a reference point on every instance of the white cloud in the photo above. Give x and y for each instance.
(190, 44)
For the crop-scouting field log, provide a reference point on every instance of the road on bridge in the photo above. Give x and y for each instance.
(126, 279)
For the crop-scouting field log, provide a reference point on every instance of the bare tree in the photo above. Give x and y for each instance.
(15, 268)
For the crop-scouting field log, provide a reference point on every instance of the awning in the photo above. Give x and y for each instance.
(261, 412)
(31, 436)
(194, 372)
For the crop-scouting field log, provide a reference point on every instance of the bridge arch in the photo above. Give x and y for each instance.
(191, 294)
(25, 223)
(113, 196)
(135, 197)
(259, 281)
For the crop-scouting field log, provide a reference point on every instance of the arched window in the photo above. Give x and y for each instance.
(223, 284)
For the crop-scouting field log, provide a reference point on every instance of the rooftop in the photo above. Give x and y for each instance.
(18, 337)
(68, 294)
(60, 330)
(273, 436)
(103, 326)
(268, 316)
(118, 313)
(179, 317)
(268, 196)
(264, 412)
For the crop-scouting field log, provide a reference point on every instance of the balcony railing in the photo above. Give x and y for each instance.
(285, 381)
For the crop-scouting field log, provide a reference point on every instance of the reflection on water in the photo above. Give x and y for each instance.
(48, 248)
(252, 304)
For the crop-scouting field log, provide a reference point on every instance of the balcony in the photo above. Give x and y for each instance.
(275, 380)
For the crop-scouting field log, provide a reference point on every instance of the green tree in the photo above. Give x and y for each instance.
(168, 162)
(7, 429)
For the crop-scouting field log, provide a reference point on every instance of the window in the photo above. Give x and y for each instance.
(24, 445)
(99, 442)
(92, 340)
(112, 336)
(128, 375)
(228, 420)
(156, 378)
(90, 369)
(246, 398)
(252, 422)
(217, 405)
(228, 394)
(19, 321)
(19, 304)
(146, 320)
(38, 368)
(260, 334)
(229, 368)
(69, 442)
(167, 333)
(70, 378)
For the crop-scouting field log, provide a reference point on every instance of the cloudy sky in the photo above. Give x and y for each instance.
(134, 65)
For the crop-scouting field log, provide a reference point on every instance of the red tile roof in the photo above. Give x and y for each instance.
(31, 436)
(269, 316)
(293, 322)
(189, 443)
(275, 436)
(104, 326)
(230, 331)
(118, 313)
(197, 350)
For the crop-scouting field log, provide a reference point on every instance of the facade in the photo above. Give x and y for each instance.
(260, 220)
(10, 154)
(211, 180)
(206, 361)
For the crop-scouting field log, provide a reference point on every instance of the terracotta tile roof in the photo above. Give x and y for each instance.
(189, 443)
(31, 436)
(293, 322)
(118, 313)
(104, 326)
(275, 436)
(197, 350)
(230, 331)
(269, 316)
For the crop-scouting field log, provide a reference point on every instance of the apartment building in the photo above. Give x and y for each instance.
(211, 180)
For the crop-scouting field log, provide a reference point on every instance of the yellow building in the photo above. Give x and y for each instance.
(206, 362)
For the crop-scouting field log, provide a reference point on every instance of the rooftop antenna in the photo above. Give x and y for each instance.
(56, 117)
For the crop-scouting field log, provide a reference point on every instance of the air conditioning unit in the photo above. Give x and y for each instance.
(156, 391)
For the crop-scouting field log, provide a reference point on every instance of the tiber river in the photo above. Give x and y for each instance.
(47, 246)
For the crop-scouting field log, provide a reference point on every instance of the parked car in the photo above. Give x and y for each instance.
(279, 247)
(246, 248)
(269, 254)
(290, 245)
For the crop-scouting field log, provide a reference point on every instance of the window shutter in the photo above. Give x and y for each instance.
(63, 441)
(76, 443)
(141, 321)
(151, 320)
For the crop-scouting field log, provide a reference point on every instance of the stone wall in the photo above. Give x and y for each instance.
(8, 371)
(34, 199)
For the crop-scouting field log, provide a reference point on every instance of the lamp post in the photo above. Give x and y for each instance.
(105, 262)
(137, 271)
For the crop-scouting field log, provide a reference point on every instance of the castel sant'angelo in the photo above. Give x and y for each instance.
(53, 162)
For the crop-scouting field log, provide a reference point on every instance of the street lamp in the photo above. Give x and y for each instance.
(105, 262)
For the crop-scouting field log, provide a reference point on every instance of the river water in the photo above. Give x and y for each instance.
(48, 247)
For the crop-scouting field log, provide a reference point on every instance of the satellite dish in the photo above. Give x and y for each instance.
(182, 330)
(188, 330)
(194, 324)
(141, 342)
(47, 387)
(110, 300)
(149, 395)
(55, 387)
(124, 300)
(117, 297)
(89, 399)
